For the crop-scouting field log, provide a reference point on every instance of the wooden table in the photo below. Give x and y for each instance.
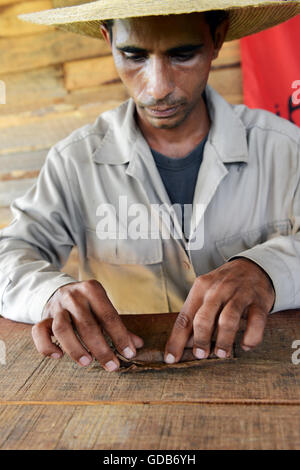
(250, 403)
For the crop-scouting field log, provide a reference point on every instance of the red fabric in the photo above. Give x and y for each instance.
(271, 70)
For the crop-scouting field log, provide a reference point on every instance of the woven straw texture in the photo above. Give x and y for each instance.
(246, 16)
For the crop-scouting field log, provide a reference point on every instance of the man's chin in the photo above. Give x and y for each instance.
(166, 123)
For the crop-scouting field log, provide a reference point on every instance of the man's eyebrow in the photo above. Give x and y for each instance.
(173, 50)
(185, 48)
(132, 49)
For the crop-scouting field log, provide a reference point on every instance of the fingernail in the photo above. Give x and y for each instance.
(111, 365)
(128, 353)
(246, 348)
(84, 360)
(221, 353)
(200, 353)
(55, 355)
(170, 359)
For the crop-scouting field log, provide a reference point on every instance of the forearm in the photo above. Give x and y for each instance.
(280, 259)
(27, 280)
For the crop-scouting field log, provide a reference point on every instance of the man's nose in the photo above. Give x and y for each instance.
(160, 78)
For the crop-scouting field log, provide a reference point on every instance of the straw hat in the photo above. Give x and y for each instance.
(245, 16)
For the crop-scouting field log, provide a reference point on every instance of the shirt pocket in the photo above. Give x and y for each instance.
(231, 246)
(131, 271)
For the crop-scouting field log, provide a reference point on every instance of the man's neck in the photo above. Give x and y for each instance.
(179, 141)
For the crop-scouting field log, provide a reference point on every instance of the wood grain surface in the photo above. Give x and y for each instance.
(251, 403)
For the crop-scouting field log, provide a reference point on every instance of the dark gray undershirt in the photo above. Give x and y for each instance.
(179, 176)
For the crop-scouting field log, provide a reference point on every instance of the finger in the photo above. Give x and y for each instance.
(183, 326)
(257, 319)
(41, 335)
(110, 320)
(138, 342)
(190, 342)
(179, 336)
(91, 333)
(203, 326)
(227, 327)
(63, 331)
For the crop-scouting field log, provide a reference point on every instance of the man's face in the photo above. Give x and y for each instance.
(164, 63)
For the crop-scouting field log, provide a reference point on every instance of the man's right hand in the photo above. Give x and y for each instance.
(84, 308)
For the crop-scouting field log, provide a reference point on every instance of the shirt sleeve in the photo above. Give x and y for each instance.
(37, 243)
(279, 257)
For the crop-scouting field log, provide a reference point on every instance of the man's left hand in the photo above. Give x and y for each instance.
(219, 299)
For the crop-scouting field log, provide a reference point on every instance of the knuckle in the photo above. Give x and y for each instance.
(68, 296)
(237, 304)
(201, 325)
(36, 330)
(88, 285)
(86, 324)
(260, 316)
(108, 317)
(59, 327)
(229, 322)
(182, 320)
(203, 280)
(92, 285)
(212, 295)
(228, 284)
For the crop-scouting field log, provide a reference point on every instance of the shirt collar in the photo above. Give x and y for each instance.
(227, 133)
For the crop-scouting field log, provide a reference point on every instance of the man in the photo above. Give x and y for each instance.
(246, 164)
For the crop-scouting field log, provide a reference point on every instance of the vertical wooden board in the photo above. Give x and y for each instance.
(229, 55)
(228, 82)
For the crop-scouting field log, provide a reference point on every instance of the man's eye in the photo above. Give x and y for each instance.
(135, 57)
(183, 57)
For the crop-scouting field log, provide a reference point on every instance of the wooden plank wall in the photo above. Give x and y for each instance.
(56, 82)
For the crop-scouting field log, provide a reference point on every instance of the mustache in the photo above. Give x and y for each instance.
(165, 103)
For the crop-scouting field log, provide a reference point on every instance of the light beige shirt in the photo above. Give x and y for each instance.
(248, 186)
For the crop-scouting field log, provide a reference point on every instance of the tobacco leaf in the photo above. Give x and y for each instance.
(155, 330)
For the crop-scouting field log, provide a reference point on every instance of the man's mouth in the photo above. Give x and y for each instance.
(162, 111)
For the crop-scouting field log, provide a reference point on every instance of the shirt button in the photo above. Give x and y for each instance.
(186, 265)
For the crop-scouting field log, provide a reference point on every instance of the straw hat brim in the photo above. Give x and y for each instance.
(245, 16)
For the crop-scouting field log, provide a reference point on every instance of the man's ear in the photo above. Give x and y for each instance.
(105, 34)
(220, 34)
